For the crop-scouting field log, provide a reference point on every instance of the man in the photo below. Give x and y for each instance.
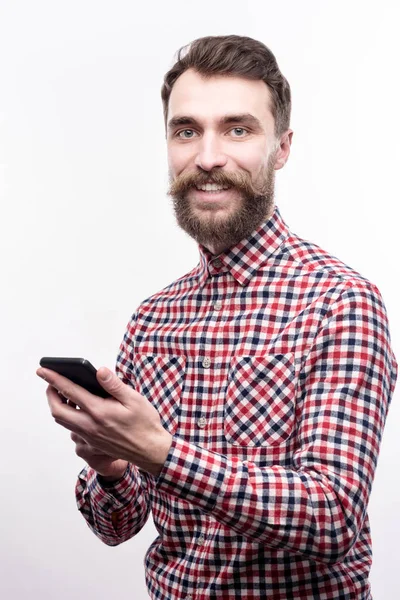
(252, 392)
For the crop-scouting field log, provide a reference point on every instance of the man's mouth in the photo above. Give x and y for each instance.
(212, 187)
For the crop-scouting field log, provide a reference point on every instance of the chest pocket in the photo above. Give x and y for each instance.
(160, 379)
(260, 400)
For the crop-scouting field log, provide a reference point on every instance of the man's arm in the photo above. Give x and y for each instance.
(114, 511)
(318, 505)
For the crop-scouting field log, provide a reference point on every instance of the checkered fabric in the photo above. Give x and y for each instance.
(271, 366)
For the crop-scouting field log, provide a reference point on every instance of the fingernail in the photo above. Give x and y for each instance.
(105, 375)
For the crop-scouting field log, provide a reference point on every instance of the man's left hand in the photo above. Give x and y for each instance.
(125, 425)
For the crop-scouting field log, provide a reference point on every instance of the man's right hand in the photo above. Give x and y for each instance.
(108, 467)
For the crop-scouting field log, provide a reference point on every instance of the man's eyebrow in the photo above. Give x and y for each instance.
(245, 118)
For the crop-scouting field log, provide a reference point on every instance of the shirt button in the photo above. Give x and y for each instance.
(218, 305)
(206, 362)
(201, 540)
(217, 263)
(189, 597)
(202, 422)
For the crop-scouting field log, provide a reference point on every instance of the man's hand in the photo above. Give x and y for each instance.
(125, 426)
(110, 468)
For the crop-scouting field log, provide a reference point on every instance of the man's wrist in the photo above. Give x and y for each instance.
(110, 480)
(160, 455)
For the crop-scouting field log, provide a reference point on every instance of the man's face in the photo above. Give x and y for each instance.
(220, 131)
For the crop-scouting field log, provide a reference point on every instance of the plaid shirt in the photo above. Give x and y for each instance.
(271, 366)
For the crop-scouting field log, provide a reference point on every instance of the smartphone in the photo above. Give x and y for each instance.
(78, 370)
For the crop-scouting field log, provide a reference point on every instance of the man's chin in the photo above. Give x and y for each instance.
(217, 213)
(211, 228)
(228, 201)
(220, 224)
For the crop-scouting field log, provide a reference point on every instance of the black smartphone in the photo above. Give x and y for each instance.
(78, 370)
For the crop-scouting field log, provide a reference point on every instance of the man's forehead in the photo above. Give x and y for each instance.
(212, 98)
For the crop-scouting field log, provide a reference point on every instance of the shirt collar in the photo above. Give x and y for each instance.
(244, 259)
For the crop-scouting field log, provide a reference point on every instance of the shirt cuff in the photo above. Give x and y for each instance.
(194, 474)
(110, 497)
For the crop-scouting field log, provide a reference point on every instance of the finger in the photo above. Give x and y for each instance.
(67, 424)
(71, 391)
(83, 448)
(71, 419)
(85, 453)
(65, 400)
(78, 439)
(89, 452)
(114, 386)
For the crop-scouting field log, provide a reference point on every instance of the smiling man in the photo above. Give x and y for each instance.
(252, 392)
(222, 165)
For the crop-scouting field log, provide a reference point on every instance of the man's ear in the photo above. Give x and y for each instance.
(283, 149)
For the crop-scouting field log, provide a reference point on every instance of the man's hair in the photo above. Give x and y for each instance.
(233, 55)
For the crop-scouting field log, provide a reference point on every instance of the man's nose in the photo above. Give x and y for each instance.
(210, 154)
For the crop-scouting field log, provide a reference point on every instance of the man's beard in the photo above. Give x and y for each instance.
(208, 229)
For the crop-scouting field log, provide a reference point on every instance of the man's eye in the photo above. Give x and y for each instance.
(182, 133)
(240, 130)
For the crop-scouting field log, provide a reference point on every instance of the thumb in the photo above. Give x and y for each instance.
(112, 384)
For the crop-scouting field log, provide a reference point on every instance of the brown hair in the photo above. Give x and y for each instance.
(233, 55)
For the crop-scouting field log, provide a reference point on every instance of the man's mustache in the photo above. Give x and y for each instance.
(185, 182)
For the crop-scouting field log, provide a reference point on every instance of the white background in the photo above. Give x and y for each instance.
(87, 231)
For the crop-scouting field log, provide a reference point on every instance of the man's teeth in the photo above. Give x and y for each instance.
(212, 187)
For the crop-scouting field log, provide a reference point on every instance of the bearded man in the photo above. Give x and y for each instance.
(252, 392)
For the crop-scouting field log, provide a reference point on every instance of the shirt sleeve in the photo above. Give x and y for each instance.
(115, 512)
(317, 506)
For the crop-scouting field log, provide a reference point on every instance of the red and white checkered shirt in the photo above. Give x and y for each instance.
(271, 366)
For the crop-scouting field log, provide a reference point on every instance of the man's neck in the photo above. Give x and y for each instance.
(217, 250)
